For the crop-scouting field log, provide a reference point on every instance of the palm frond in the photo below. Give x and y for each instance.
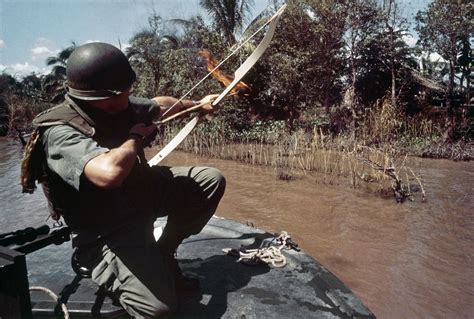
(64, 54)
(142, 35)
(52, 60)
(170, 40)
(59, 71)
(256, 23)
(187, 24)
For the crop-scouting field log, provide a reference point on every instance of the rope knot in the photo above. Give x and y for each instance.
(270, 254)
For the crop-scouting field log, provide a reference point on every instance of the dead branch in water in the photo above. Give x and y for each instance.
(400, 190)
(423, 198)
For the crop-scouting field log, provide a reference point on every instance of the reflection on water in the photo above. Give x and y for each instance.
(17, 210)
(411, 260)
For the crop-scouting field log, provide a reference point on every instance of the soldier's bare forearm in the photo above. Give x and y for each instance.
(110, 169)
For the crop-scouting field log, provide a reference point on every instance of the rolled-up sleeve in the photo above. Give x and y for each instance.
(68, 151)
(146, 110)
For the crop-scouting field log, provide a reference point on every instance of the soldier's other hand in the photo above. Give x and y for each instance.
(207, 103)
(146, 132)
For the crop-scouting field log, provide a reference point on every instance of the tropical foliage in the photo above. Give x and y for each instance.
(228, 16)
(331, 66)
(20, 101)
(53, 83)
(447, 28)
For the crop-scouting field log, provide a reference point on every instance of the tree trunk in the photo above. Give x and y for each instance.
(394, 88)
(392, 13)
(468, 89)
(353, 101)
(451, 116)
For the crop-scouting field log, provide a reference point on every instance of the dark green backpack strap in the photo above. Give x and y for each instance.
(67, 113)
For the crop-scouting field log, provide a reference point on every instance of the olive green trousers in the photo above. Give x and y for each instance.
(139, 275)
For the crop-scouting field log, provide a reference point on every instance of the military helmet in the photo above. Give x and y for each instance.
(97, 71)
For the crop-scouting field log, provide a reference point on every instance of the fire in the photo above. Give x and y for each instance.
(240, 89)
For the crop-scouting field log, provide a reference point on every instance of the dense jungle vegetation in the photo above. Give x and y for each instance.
(338, 74)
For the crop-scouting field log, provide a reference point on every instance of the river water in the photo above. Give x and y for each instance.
(410, 260)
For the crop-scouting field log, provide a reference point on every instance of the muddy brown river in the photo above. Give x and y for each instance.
(410, 260)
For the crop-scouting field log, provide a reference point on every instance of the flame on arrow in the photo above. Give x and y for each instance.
(240, 89)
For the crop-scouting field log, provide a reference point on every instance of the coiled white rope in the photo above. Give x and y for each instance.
(54, 297)
(271, 255)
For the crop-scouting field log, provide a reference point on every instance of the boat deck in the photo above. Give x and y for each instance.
(301, 289)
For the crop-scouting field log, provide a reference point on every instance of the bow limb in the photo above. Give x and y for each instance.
(253, 58)
(238, 75)
(174, 142)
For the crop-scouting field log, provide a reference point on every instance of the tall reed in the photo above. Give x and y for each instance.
(298, 153)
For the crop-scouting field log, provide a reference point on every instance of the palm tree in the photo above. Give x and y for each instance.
(228, 16)
(53, 83)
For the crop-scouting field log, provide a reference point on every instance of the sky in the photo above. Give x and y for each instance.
(32, 30)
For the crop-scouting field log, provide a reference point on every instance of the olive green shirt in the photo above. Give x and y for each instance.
(91, 211)
(68, 151)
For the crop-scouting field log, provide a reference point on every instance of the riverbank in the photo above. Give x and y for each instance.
(436, 148)
(398, 136)
(380, 167)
